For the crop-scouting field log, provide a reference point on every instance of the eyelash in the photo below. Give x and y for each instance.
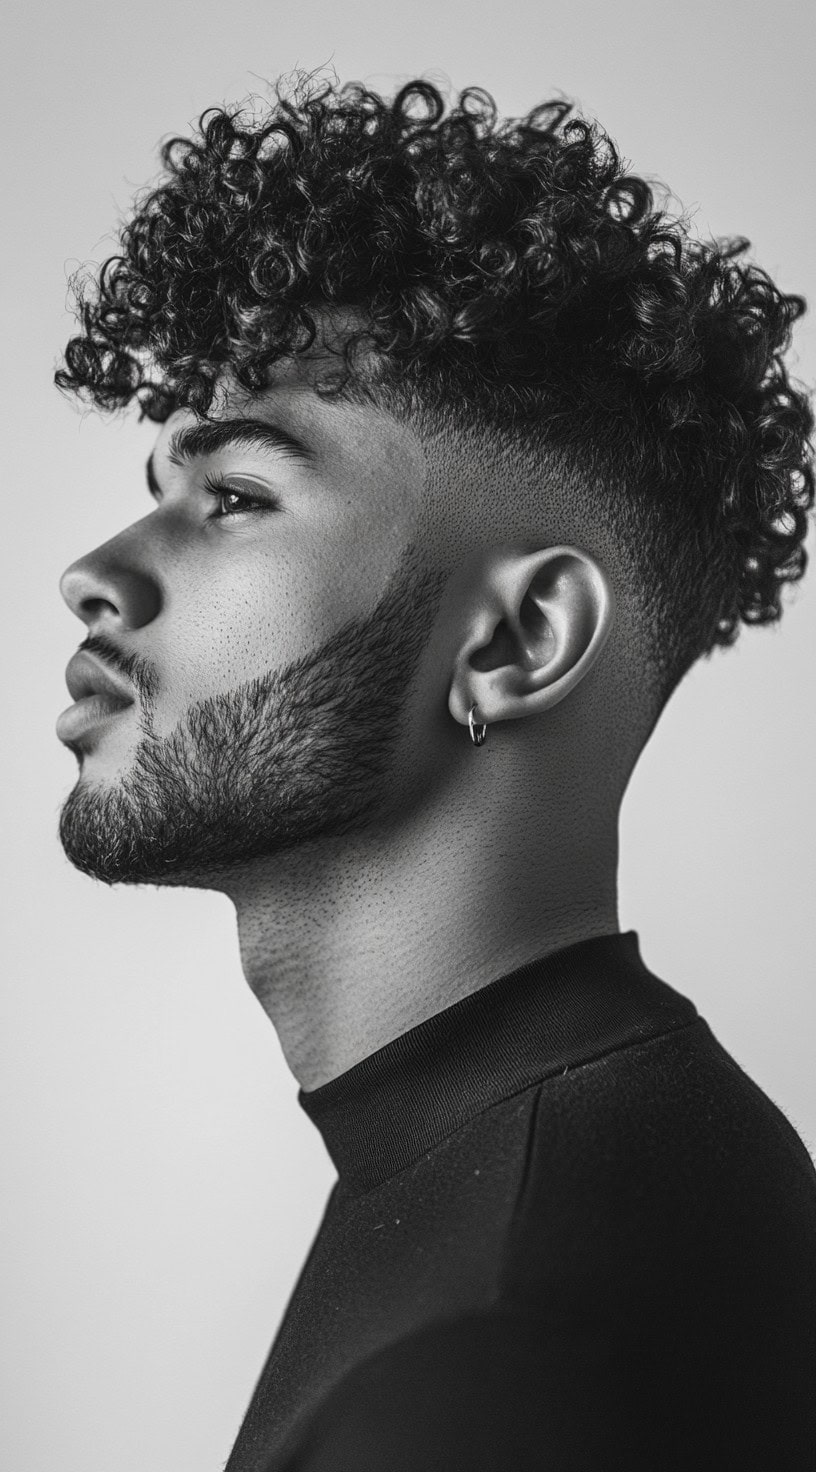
(218, 488)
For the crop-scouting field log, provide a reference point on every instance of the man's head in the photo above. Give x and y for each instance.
(515, 405)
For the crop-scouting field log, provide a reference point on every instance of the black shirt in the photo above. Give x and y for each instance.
(569, 1233)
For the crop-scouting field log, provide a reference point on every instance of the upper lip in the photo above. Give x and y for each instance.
(85, 676)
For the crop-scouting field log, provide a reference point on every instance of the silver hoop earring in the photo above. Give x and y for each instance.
(477, 732)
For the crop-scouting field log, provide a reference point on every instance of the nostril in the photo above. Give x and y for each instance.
(83, 593)
(106, 585)
(72, 586)
(92, 608)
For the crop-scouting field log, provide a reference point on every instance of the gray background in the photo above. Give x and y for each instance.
(162, 1186)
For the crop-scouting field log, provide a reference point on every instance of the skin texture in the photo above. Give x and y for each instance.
(467, 861)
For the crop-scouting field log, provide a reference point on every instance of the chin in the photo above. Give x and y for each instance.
(102, 762)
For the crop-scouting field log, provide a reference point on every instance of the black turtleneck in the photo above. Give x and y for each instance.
(568, 1233)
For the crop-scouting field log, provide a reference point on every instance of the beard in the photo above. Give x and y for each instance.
(297, 754)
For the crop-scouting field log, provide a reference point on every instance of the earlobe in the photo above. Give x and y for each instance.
(534, 627)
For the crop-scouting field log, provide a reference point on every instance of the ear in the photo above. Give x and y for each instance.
(534, 625)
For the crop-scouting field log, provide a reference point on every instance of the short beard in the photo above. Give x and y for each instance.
(298, 754)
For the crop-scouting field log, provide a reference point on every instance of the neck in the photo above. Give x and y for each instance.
(350, 943)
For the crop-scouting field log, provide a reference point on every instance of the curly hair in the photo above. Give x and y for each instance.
(510, 274)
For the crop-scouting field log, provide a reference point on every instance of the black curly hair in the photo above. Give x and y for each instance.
(511, 274)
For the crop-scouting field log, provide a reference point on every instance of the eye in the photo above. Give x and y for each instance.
(230, 502)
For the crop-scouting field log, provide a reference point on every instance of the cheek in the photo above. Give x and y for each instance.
(276, 592)
(236, 623)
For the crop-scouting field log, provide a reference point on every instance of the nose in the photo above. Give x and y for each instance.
(106, 588)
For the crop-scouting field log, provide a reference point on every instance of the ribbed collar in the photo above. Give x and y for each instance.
(543, 1018)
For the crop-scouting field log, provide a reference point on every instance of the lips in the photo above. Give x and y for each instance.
(86, 676)
(99, 699)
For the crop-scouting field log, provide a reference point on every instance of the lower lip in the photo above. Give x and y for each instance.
(90, 711)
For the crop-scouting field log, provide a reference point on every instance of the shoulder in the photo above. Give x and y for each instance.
(496, 1390)
(658, 1299)
(667, 1200)
(669, 1130)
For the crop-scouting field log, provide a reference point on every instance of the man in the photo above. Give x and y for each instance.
(466, 454)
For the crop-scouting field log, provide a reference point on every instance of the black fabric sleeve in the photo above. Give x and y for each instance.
(490, 1393)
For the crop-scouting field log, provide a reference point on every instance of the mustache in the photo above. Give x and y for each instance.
(137, 670)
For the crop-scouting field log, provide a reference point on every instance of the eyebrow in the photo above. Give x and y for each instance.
(206, 439)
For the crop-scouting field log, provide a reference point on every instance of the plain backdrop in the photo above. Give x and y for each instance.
(161, 1184)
